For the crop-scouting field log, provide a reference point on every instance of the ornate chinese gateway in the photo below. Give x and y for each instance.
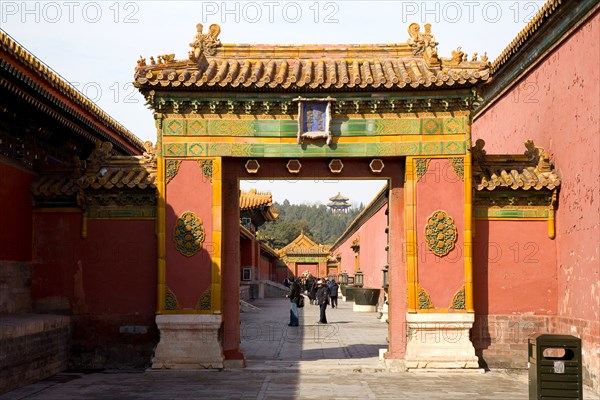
(286, 110)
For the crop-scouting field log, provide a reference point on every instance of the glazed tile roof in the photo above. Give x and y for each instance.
(530, 171)
(14, 49)
(339, 197)
(303, 245)
(414, 64)
(101, 170)
(528, 178)
(254, 200)
(536, 22)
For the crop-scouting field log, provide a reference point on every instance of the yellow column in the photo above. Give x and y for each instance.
(551, 223)
(160, 233)
(468, 234)
(217, 235)
(411, 237)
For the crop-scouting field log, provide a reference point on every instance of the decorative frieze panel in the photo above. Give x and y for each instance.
(458, 301)
(171, 302)
(204, 301)
(423, 299)
(188, 234)
(440, 233)
(206, 166)
(387, 126)
(274, 106)
(289, 150)
(421, 167)
(125, 212)
(458, 165)
(172, 167)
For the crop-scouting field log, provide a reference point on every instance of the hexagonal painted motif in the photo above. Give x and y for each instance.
(440, 233)
(188, 234)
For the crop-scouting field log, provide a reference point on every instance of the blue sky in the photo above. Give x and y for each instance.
(95, 44)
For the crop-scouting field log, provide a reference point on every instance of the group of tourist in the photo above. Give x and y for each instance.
(321, 292)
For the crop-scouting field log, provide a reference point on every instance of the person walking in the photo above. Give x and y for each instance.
(294, 296)
(312, 291)
(322, 300)
(333, 293)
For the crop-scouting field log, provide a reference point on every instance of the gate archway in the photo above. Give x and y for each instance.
(230, 112)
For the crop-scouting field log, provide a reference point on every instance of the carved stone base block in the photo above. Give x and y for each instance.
(440, 341)
(360, 308)
(188, 341)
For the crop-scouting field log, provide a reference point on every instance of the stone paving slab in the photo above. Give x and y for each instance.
(337, 361)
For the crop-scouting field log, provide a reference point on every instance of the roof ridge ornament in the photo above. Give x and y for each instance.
(423, 43)
(205, 43)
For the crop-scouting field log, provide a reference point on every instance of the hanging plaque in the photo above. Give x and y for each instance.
(314, 118)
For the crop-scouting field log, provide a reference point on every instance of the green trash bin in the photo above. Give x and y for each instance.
(555, 367)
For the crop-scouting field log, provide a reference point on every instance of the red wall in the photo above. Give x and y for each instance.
(514, 268)
(189, 190)
(107, 282)
(15, 213)
(113, 271)
(299, 268)
(372, 254)
(265, 268)
(557, 106)
(440, 189)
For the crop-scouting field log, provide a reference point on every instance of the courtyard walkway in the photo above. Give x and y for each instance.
(335, 361)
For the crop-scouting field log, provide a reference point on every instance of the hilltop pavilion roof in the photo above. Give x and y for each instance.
(339, 197)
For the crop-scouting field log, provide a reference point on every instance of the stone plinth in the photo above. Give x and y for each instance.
(363, 308)
(440, 341)
(188, 341)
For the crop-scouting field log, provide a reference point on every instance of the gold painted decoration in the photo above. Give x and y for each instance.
(188, 234)
(423, 299)
(204, 302)
(172, 167)
(421, 167)
(171, 302)
(207, 168)
(458, 165)
(440, 233)
(458, 301)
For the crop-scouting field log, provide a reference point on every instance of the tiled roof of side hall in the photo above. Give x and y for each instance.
(253, 199)
(212, 65)
(12, 48)
(529, 171)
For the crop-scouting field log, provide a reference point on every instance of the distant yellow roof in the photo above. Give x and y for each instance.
(304, 245)
(253, 199)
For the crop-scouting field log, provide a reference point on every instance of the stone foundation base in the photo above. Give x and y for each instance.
(359, 308)
(440, 341)
(188, 341)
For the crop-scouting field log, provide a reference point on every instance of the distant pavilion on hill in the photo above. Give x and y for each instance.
(339, 203)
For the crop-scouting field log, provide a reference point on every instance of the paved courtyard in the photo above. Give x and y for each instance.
(335, 361)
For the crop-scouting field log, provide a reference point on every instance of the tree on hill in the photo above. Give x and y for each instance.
(317, 221)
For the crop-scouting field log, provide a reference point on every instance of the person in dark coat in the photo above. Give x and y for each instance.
(294, 296)
(312, 291)
(333, 293)
(322, 300)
